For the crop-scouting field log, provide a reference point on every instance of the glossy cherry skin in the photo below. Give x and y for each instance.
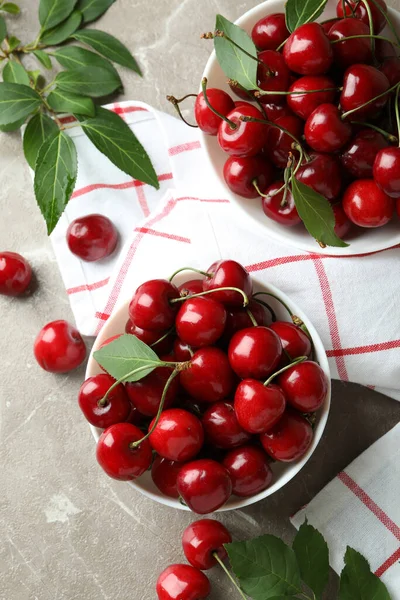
(182, 582)
(92, 237)
(255, 352)
(323, 174)
(361, 12)
(115, 455)
(270, 32)
(305, 386)
(325, 131)
(366, 205)
(150, 337)
(293, 339)
(116, 410)
(206, 119)
(304, 104)
(289, 439)
(222, 428)
(204, 485)
(343, 225)
(150, 307)
(209, 377)
(249, 469)
(308, 50)
(193, 286)
(203, 539)
(182, 351)
(349, 52)
(247, 138)
(146, 393)
(241, 171)
(279, 143)
(273, 77)
(258, 407)
(59, 347)
(359, 156)
(387, 171)
(228, 273)
(272, 206)
(391, 68)
(164, 474)
(238, 318)
(200, 321)
(178, 435)
(15, 274)
(275, 111)
(361, 83)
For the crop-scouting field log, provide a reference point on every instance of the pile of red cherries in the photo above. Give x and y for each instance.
(244, 390)
(346, 132)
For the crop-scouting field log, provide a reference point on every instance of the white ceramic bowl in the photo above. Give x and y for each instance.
(283, 473)
(368, 240)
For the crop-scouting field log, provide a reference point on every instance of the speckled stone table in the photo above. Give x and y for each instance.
(67, 532)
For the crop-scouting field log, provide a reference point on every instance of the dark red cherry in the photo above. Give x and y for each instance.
(325, 131)
(272, 76)
(308, 50)
(366, 205)
(206, 119)
(294, 340)
(285, 214)
(209, 377)
(323, 174)
(387, 171)
(391, 68)
(164, 474)
(135, 417)
(146, 393)
(228, 273)
(150, 307)
(249, 469)
(275, 111)
(117, 407)
(279, 143)
(59, 347)
(247, 138)
(241, 172)
(343, 225)
(289, 439)
(193, 286)
(150, 337)
(177, 436)
(398, 207)
(258, 407)
(255, 352)
(222, 428)
(116, 456)
(182, 582)
(361, 84)
(203, 539)
(15, 274)
(326, 25)
(359, 156)
(204, 485)
(238, 318)
(305, 386)
(270, 32)
(361, 12)
(92, 237)
(304, 104)
(350, 52)
(200, 321)
(182, 351)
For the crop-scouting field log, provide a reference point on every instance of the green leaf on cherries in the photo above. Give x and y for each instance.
(357, 582)
(299, 12)
(38, 130)
(312, 555)
(265, 567)
(236, 65)
(316, 214)
(127, 354)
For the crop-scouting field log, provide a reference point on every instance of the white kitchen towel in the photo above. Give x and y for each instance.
(361, 508)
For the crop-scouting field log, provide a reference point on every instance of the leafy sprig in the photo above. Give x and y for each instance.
(25, 96)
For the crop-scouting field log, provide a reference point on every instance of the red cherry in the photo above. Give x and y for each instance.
(222, 428)
(308, 50)
(206, 119)
(177, 436)
(15, 274)
(366, 204)
(204, 485)
(248, 138)
(343, 225)
(273, 76)
(228, 273)
(150, 307)
(238, 318)
(270, 32)
(249, 470)
(241, 171)
(182, 582)
(387, 171)
(349, 52)
(258, 407)
(92, 237)
(255, 352)
(151, 337)
(305, 386)
(209, 377)
(289, 439)
(200, 321)
(359, 156)
(244, 94)
(193, 286)
(326, 25)
(272, 206)
(115, 455)
(294, 341)
(398, 207)
(279, 143)
(146, 393)
(325, 131)
(323, 174)
(361, 84)
(384, 49)
(275, 111)
(135, 417)
(391, 68)
(203, 539)
(361, 12)
(92, 391)
(182, 351)
(164, 474)
(304, 104)
(59, 347)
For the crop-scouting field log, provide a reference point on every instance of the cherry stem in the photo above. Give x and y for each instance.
(388, 20)
(251, 96)
(386, 134)
(222, 34)
(231, 124)
(344, 4)
(371, 26)
(396, 108)
(189, 269)
(247, 119)
(255, 185)
(163, 337)
(365, 35)
(268, 307)
(175, 104)
(228, 574)
(220, 289)
(353, 110)
(281, 45)
(292, 364)
(251, 317)
(261, 92)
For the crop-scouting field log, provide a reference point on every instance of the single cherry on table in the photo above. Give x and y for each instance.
(59, 347)
(92, 237)
(15, 274)
(182, 582)
(204, 539)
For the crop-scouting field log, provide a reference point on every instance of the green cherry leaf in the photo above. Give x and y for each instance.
(11, 8)
(38, 130)
(108, 46)
(72, 57)
(126, 354)
(93, 9)
(89, 81)
(316, 214)
(114, 138)
(236, 64)
(3, 29)
(17, 102)
(357, 582)
(12, 126)
(13, 72)
(65, 102)
(299, 12)
(63, 31)
(55, 177)
(312, 555)
(43, 58)
(13, 42)
(265, 567)
(53, 12)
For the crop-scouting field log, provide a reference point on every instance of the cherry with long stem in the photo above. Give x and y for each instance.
(220, 289)
(268, 307)
(361, 36)
(175, 103)
(389, 136)
(189, 269)
(229, 575)
(388, 20)
(295, 319)
(231, 124)
(285, 368)
(353, 110)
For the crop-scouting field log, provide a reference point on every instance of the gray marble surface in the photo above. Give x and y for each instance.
(67, 532)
